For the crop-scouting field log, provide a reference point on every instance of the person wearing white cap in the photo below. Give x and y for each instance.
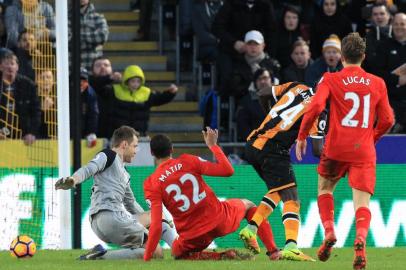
(241, 82)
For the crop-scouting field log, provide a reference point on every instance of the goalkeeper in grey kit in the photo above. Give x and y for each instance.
(115, 215)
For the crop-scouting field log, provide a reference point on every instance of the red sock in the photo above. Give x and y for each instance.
(264, 231)
(326, 211)
(362, 220)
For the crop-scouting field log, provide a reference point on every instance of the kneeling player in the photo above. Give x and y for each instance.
(199, 216)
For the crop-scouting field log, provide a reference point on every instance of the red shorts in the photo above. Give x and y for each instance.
(361, 176)
(233, 212)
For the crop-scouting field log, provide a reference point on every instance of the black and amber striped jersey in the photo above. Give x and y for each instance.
(289, 102)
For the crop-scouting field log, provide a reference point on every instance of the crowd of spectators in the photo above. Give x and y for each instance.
(252, 43)
(302, 40)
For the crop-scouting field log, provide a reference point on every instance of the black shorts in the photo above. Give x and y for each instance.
(273, 165)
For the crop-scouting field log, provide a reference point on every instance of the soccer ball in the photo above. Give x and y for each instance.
(23, 247)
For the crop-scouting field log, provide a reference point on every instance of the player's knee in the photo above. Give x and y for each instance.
(289, 194)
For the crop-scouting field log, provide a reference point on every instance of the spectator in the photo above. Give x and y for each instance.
(244, 67)
(90, 109)
(102, 76)
(27, 48)
(248, 115)
(380, 29)
(234, 19)
(330, 61)
(19, 103)
(329, 21)
(36, 12)
(288, 33)
(93, 33)
(204, 12)
(296, 71)
(47, 94)
(131, 101)
(391, 54)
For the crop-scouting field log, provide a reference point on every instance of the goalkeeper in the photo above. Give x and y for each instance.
(115, 215)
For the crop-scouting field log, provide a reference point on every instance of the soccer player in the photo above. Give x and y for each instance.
(198, 215)
(360, 115)
(267, 150)
(115, 215)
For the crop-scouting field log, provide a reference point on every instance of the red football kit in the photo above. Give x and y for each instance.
(178, 184)
(360, 115)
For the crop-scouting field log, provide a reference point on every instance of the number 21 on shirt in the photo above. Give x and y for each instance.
(179, 196)
(348, 120)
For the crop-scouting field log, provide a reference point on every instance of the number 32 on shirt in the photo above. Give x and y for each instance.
(179, 196)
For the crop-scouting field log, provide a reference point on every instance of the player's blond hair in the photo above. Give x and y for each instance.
(353, 48)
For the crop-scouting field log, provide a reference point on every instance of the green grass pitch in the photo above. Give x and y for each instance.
(378, 259)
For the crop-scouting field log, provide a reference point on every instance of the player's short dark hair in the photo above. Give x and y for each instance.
(161, 146)
(123, 133)
(353, 48)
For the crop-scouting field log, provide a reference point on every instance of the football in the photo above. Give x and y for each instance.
(23, 247)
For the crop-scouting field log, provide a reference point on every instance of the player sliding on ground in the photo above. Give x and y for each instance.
(198, 215)
(115, 215)
(267, 150)
(360, 115)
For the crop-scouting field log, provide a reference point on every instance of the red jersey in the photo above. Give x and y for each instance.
(178, 184)
(357, 99)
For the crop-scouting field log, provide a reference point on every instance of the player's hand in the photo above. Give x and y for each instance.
(210, 136)
(300, 149)
(65, 183)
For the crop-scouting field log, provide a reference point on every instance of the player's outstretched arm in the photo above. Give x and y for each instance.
(385, 116)
(223, 166)
(155, 230)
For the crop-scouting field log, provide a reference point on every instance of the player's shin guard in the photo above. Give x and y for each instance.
(291, 220)
(264, 231)
(168, 233)
(363, 218)
(326, 211)
(266, 207)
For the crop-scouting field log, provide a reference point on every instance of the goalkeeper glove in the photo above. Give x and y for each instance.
(65, 183)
